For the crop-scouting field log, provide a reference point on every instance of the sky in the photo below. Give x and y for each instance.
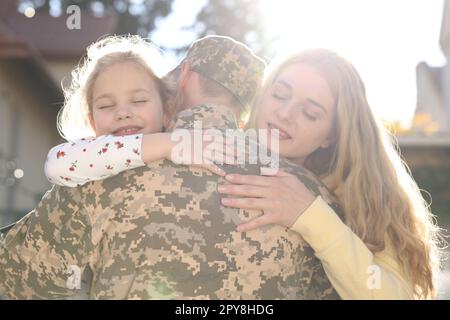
(384, 39)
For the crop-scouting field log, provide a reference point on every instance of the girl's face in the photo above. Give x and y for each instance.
(126, 100)
(300, 104)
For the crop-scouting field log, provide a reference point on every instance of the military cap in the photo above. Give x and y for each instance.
(228, 62)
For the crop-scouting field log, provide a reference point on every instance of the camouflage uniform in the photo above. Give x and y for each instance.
(160, 231)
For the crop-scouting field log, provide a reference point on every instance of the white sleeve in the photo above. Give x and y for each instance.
(75, 163)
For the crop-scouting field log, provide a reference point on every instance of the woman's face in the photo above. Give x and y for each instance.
(300, 104)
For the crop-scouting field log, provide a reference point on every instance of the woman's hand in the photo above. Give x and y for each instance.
(282, 197)
(200, 148)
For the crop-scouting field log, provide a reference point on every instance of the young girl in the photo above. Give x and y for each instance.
(116, 97)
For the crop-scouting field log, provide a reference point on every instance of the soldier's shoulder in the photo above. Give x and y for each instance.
(205, 116)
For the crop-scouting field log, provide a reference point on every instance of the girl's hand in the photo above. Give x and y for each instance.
(200, 148)
(282, 197)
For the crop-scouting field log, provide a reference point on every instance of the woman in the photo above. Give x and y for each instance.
(388, 246)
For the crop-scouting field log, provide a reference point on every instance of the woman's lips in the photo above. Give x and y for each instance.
(282, 135)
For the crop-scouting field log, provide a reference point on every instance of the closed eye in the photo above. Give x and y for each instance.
(278, 97)
(310, 117)
(106, 106)
(140, 101)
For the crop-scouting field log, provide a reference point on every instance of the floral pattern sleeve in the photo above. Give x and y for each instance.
(75, 163)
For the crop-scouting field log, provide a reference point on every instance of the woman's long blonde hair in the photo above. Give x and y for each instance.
(364, 170)
(73, 118)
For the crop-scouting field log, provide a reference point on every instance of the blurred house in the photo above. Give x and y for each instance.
(433, 84)
(36, 54)
(428, 154)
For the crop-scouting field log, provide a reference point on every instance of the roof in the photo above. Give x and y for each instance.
(30, 40)
(50, 35)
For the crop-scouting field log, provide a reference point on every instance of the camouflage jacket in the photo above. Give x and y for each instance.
(159, 232)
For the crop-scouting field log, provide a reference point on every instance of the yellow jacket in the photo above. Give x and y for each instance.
(354, 271)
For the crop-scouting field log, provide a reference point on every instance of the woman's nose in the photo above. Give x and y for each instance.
(284, 112)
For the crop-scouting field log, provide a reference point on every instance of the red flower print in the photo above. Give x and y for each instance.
(118, 144)
(136, 151)
(104, 149)
(84, 150)
(127, 163)
(109, 167)
(91, 165)
(73, 166)
(60, 154)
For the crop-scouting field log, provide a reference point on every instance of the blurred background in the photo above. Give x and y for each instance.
(401, 48)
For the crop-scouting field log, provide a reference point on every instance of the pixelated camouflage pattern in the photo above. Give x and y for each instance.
(230, 63)
(160, 232)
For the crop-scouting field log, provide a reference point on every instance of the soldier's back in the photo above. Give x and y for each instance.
(169, 237)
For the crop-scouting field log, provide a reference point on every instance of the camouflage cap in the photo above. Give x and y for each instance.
(228, 62)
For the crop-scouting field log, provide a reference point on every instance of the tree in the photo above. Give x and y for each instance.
(239, 19)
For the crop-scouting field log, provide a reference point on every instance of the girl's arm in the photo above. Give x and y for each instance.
(75, 163)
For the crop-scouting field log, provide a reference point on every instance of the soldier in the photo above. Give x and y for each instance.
(160, 231)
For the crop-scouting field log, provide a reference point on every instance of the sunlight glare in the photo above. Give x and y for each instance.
(385, 40)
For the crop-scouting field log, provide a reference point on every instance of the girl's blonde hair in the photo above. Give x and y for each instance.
(364, 170)
(73, 118)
